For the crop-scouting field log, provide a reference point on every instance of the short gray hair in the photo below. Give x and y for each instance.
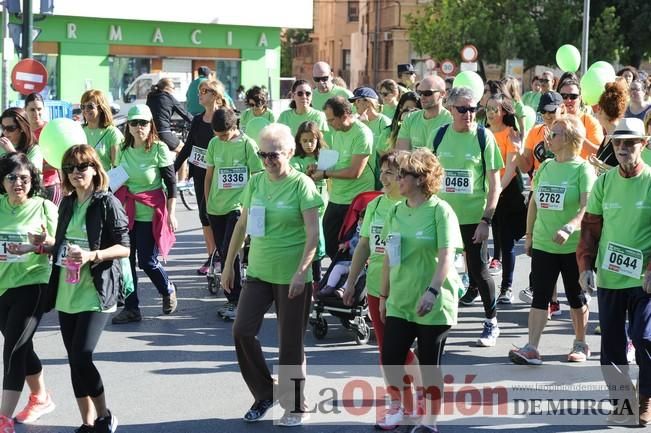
(457, 93)
(278, 134)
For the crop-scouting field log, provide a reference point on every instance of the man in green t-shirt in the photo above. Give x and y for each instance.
(406, 77)
(418, 128)
(324, 88)
(472, 187)
(352, 173)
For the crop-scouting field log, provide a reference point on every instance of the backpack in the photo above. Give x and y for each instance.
(481, 136)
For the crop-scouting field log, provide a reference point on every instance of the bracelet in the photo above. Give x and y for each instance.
(383, 296)
(487, 220)
(325, 176)
(568, 228)
(433, 291)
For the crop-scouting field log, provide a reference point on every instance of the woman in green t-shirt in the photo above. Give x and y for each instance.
(300, 109)
(25, 220)
(98, 126)
(419, 285)
(281, 213)
(256, 100)
(390, 93)
(17, 136)
(560, 194)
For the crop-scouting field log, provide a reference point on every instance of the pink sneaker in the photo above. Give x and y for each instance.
(34, 409)
(6, 424)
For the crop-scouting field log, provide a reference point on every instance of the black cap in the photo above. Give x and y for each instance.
(364, 92)
(549, 101)
(203, 70)
(404, 68)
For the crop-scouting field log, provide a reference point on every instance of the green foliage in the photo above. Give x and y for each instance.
(288, 39)
(606, 41)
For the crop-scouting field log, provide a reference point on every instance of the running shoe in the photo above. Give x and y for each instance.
(526, 295)
(555, 308)
(293, 419)
(106, 424)
(392, 418)
(422, 428)
(127, 316)
(170, 302)
(6, 424)
(203, 270)
(225, 307)
(495, 267)
(525, 355)
(506, 296)
(580, 352)
(489, 335)
(630, 352)
(34, 409)
(472, 294)
(257, 411)
(230, 312)
(84, 428)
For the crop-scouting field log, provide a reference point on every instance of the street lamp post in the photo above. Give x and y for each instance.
(585, 36)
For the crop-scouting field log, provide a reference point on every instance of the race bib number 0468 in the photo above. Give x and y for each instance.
(458, 181)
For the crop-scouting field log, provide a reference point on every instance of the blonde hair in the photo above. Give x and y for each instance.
(574, 132)
(97, 97)
(424, 163)
(217, 87)
(81, 153)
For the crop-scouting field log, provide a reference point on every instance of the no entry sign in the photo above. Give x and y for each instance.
(29, 76)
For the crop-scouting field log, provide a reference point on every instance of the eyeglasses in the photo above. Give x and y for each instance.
(385, 94)
(138, 122)
(427, 92)
(205, 91)
(404, 173)
(491, 109)
(570, 96)
(269, 155)
(10, 128)
(252, 104)
(544, 80)
(320, 79)
(543, 111)
(69, 168)
(464, 110)
(626, 142)
(88, 107)
(13, 178)
(636, 89)
(304, 93)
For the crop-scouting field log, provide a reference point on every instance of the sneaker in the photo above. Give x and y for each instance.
(506, 296)
(422, 428)
(494, 267)
(489, 335)
(221, 310)
(526, 295)
(526, 355)
(169, 302)
(580, 352)
(230, 312)
(126, 316)
(6, 424)
(203, 270)
(106, 424)
(555, 308)
(391, 419)
(630, 352)
(34, 409)
(472, 294)
(645, 409)
(258, 410)
(85, 429)
(293, 419)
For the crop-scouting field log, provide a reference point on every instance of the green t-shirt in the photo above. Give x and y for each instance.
(143, 168)
(248, 115)
(294, 120)
(389, 111)
(319, 99)
(625, 205)
(374, 218)
(15, 224)
(557, 191)
(377, 127)
(419, 130)
(646, 156)
(532, 99)
(103, 140)
(464, 185)
(82, 296)
(423, 231)
(358, 140)
(301, 164)
(275, 257)
(234, 162)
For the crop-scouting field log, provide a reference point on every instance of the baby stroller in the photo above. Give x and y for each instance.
(351, 317)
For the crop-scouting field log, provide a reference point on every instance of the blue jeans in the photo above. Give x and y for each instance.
(143, 245)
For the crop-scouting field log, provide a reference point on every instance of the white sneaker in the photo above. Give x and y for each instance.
(526, 295)
(392, 419)
(293, 419)
(489, 335)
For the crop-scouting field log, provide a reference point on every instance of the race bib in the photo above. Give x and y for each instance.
(255, 221)
(393, 248)
(377, 243)
(623, 260)
(551, 197)
(11, 238)
(63, 251)
(232, 177)
(198, 157)
(458, 181)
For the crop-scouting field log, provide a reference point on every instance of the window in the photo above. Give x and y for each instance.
(228, 72)
(388, 55)
(123, 71)
(50, 61)
(353, 11)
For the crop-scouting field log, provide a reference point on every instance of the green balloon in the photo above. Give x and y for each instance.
(568, 58)
(254, 126)
(529, 118)
(59, 135)
(602, 65)
(472, 81)
(593, 84)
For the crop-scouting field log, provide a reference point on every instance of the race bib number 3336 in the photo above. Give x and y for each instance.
(623, 260)
(232, 177)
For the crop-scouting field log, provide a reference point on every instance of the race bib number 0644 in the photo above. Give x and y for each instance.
(623, 260)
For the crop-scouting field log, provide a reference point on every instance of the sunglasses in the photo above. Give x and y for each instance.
(69, 168)
(320, 79)
(13, 178)
(570, 96)
(464, 110)
(269, 155)
(385, 94)
(404, 173)
(544, 80)
(636, 89)
(10, 128)
(543, 111)
(88, 107)
(252, 104)
(626, 142)
(302, 93)
(491, 109)
(205, 91)
(138, 122)
(427, 92)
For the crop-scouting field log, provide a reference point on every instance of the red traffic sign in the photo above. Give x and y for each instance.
(448, 67)
(469, 53)
(29, 76)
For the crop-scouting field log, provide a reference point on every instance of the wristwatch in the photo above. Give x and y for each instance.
(568, 228)
(325, 176)
(487, 220)
(433, 291)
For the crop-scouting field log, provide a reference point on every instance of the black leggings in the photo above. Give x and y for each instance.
(222, 232)
(81, 332)
(333, 219)
(477, 263)
(21, 309)
(399, 335)
(545, 268)
(199, 176)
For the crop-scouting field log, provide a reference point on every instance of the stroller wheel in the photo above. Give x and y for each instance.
(320, 328)
(213, 284)
(362, 333)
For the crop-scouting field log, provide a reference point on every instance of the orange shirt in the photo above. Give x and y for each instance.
(504, 143)
(535, 142)
(593, 132)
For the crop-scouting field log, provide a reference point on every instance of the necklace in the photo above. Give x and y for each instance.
(14, 209)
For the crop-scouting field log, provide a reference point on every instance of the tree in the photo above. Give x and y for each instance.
(606, 40)
(288, 39)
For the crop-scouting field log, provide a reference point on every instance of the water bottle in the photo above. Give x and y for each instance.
(72, 268)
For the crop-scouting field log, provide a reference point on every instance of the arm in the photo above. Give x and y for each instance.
(562, 234)
(360, 256)
(311, 221)
(384, 288)
(532, 213)
(185, 150)
(403, 144)
(169, 178)
(510, 170)
(445, 261)
(353, 171)
(207, 183)
(181, 111)
(494, 191)
(586, 252)
(237, 240)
